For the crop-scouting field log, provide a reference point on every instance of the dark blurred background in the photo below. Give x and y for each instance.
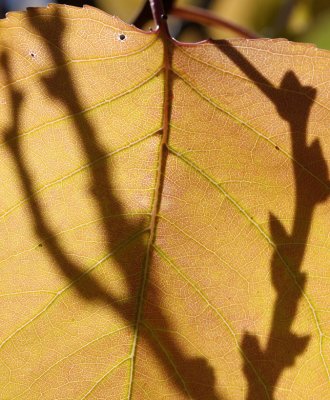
(298, 20)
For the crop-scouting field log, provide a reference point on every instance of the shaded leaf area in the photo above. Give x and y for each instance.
(293, 102)
(194, 377)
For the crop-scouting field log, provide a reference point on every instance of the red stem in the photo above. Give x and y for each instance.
(160, 17)
(204, 17)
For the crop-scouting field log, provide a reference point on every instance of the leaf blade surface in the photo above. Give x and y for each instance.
(236, 230)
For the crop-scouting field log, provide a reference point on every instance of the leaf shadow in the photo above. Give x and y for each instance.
(292, 101)
(193, 377)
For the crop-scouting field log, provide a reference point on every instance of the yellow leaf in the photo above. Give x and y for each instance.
(164, 213)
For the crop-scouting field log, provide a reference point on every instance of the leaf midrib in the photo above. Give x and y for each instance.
(167, 52)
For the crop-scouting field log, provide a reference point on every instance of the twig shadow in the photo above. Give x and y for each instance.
(293, 102)
(193, 377)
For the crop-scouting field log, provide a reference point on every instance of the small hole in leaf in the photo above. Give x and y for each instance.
(33, 54)
(122, 37)
(277, 148)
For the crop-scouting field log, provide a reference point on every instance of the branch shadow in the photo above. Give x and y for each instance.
(293, 102)
(193, 377)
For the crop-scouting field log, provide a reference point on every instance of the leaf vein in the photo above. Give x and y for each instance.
(271, 243)
(75, 172)
(86, 110)
(213, 308)
(70, 285)
(251, 128)
(249, 80)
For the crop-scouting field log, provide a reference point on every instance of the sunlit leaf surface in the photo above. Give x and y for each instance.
(165, 220)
